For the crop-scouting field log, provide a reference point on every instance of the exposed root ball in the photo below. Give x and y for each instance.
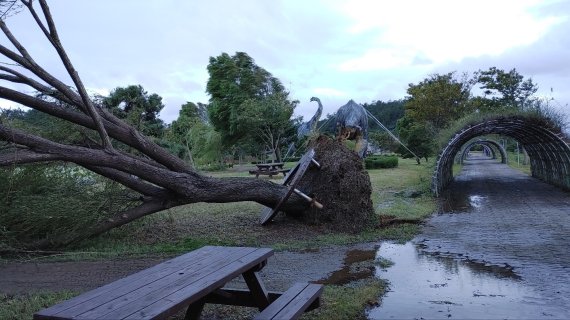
(342, 185)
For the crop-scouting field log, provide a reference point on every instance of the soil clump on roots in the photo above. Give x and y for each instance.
(342, 185)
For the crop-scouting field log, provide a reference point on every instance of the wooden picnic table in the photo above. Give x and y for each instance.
(269, 169)
(190, 280)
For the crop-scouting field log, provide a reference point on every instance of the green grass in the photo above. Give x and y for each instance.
(389, 184)
(23, 306)
(186, 228)
(348, 302)
(517, 163)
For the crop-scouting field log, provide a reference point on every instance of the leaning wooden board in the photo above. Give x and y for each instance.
(291, 180)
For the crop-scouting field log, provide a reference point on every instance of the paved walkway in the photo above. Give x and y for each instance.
(500, 216)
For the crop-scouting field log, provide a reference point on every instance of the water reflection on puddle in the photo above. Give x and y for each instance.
(435, 287)
(476, 201)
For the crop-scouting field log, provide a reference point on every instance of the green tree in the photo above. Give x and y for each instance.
(138, 108)
(271, 118)
(233, 81)
(504, 89)
(417, 136)
(438, 100)
(178, 132)
(386, 112)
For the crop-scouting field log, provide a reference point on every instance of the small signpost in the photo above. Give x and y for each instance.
(291, 181)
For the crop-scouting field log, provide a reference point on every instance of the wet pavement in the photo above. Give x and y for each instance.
(499, 249)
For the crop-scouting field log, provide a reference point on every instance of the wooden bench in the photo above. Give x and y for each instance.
(299, 298)
(188, 281)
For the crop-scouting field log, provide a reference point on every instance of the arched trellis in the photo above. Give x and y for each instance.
(486, 143)
(549, 154)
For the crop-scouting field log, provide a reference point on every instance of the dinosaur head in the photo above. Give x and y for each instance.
(315, 99)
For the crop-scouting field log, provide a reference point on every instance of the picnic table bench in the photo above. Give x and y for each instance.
(269, 169)
(190, 280)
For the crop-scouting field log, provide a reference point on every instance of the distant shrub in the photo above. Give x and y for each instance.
(381, 162)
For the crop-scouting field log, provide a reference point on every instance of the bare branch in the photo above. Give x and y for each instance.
(54, 39)
(118, 129)
(28, 62)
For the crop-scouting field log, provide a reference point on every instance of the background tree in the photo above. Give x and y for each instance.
(179, 131)
(270, 118)
(386, 112)
(438, 100)
(159, 179)
(503, 90)
(138, 108)
(233, 81)
(418, 137)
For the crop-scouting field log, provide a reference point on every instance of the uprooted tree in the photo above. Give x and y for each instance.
(151, 178)
(104, 144)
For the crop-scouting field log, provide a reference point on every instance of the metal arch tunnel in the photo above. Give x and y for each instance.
(486, 143)
(549, 153)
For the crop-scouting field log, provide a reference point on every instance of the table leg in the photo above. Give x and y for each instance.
(195, 309)
(258, 291)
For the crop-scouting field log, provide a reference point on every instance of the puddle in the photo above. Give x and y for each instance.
(358, 264)
(428, 286)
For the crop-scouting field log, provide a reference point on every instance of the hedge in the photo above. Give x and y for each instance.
(381, 162)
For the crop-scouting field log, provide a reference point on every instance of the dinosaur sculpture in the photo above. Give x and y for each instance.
(306, 128)
(352, 124)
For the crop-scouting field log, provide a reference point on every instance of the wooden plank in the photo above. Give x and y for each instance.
(118, 308)
(258, 291)
(300, 303)
(282, 301)
(167, 301)
(132, 282)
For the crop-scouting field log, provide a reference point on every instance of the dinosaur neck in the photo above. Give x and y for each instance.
(317, 115)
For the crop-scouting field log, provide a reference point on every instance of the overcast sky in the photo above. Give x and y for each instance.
(335, 50)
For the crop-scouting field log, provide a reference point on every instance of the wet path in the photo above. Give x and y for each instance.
(496, 219)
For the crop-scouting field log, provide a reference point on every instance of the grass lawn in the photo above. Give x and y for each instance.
(399, 194)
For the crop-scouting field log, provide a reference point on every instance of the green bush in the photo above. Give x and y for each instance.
(381, 162)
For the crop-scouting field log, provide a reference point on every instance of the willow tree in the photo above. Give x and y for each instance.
(161, 179)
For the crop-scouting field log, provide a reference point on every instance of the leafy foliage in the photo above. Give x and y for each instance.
(417, 136)
(438, 100)
(235, 80)
(40, 201)
(138, 108)
(271, 119)
(504, 90)
(387, 113)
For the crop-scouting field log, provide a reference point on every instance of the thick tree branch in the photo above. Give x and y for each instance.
(123, 132)
(129, 181)
(23, 156)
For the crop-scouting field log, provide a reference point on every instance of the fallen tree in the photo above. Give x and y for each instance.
(161, 179)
